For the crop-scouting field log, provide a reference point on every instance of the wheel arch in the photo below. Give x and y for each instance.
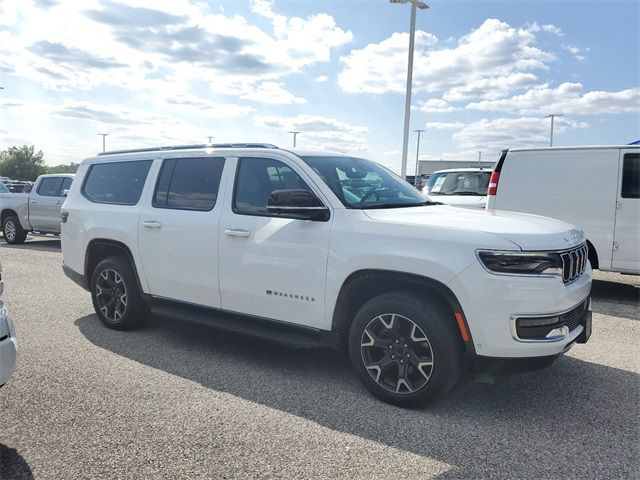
(7, 212)
(101, 248)
(363, 285)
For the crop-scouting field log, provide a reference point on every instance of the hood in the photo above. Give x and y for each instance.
(467, 201)
(529, 232)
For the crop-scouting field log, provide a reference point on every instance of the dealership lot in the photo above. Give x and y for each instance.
(182, 401)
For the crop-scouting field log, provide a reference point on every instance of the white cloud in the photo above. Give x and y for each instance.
(444, 125)
(319, 132)
(493, 51)
(495, 134)
(65, 47)
(437, 105)
(321, 78)
(274, 93)
(550, 28)
(567, 98)
(577, 52)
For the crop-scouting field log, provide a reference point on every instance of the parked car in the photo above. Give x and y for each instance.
(596, 188)
(282, 245)
(37, 211)
(8, 342)
(460, 187)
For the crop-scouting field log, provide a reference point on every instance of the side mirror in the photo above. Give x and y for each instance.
(299, 204)
(65, 192)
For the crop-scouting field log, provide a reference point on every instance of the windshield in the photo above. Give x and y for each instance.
(364, 184)
(3, 188)
(473, 183)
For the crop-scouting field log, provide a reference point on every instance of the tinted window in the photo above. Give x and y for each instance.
(257, 178)
(188, 183)
(66, 184)
(50, 187)
(631, 176)
(120, 183)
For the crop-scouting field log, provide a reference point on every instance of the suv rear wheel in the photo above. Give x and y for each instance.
(13, 231)
(115, 294)
(405, 348)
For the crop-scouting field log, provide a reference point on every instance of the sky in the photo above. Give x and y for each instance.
(175, 72)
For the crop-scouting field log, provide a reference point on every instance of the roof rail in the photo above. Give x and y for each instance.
(190, 147)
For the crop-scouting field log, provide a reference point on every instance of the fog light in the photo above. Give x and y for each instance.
(558, 332)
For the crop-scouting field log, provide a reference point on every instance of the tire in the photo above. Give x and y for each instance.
(116, 296)
(406, 349)
(12, 230)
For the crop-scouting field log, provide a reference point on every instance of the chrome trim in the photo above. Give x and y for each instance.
(583, 247)
(572, 334)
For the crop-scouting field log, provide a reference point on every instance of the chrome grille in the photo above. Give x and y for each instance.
(574, 262)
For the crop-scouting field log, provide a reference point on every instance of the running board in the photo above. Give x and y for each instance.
(264, 329)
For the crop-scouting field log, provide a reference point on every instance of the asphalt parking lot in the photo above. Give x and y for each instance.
(183, 401)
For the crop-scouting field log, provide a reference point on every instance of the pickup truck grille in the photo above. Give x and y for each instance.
(574, 262)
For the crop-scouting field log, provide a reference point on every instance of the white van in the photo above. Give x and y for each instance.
(596, 188)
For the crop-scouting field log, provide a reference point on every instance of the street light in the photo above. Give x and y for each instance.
(415, 180)
(295, 136)
(104, 136)
(552, 116)
(407, 106)
(210, 139)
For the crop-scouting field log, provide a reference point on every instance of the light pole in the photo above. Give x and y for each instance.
(552, 116)
(104, 136)
(415, 180)
(407, 105)
(295, 137)
(210, 139)
(479, 156)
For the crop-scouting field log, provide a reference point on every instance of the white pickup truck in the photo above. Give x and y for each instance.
(37, 211)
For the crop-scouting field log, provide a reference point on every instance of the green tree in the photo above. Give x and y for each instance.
(70, 168)
(22, 163)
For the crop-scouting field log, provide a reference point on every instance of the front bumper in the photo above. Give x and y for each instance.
(492, 303)
(8, 348)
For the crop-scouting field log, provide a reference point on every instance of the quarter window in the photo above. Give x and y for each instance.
(118, 183)
(50, 187)
(188, 183)
(257, 178)
(631, 176)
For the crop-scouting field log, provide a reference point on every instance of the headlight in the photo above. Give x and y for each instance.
(521, 263)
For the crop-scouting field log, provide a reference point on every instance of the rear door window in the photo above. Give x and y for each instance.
(50, 187)
(631, 176)
(118, 183)
(66, 185)
(188, 183)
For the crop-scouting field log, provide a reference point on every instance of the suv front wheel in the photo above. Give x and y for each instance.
(115, 294)
(405, 348)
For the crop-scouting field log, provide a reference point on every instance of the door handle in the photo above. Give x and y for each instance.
(238, 232)
(151, 224)
(58, 202)
(32, 201)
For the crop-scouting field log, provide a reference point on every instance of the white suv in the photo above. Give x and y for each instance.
(320, 249)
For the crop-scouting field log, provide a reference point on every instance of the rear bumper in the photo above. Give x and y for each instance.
(8, 349)
(76, 277)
